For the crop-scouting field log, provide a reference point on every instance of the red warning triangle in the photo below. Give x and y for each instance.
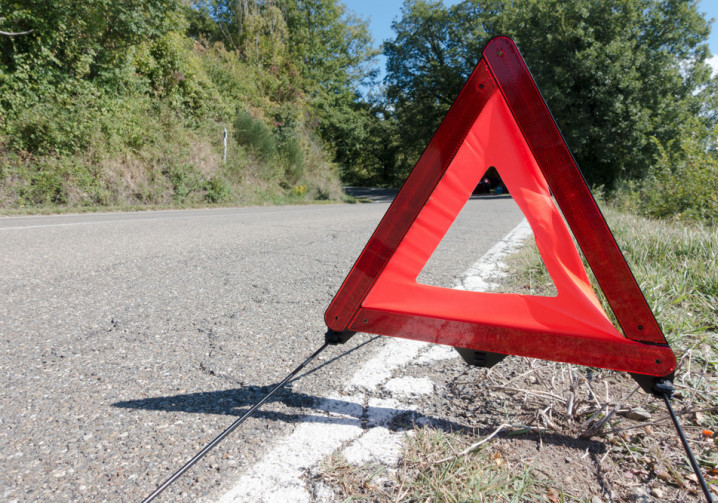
(500, 119)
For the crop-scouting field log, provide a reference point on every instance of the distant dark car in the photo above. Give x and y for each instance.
(484, 186)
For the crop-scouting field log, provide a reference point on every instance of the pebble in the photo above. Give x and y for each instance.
(657, 492)
(638, 414)
(639, 495)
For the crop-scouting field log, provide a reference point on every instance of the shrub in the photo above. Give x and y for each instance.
(218, 191)
(293, 157)
(184, 180)
(682, 184)
(254, 135)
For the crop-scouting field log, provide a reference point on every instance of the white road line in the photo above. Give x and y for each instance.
(354, 421)
(70, 224)
(106, 218)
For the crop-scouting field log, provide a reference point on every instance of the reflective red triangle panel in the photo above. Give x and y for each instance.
(501, 120)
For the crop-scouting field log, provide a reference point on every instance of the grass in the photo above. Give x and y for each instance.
(675, 265)
(677, 269)
(482, 476)
(259, 200)
(479, 476)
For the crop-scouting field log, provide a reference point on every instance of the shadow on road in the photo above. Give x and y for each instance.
(235, 402)
(372, 194)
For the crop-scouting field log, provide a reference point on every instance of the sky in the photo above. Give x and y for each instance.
(382, 12)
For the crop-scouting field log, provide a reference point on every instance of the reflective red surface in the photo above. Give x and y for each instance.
(501, 120)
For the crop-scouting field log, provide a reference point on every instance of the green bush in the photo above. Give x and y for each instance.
(139, 120)
(682, 183)
(293, 157)
(185, 180)
(218, 191)
(254, 135)
(63, 124)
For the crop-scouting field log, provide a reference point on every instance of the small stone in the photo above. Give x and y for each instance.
(638, 414)
(596, 499)
(663, 475)
(640, 496)
(567, 459)
(657, 492)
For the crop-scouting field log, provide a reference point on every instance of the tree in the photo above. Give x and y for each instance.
(426, 67)
(68, 38)
(335, 55)
(620, 76)
(326, 51)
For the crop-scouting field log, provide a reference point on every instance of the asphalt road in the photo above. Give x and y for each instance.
(129, 340)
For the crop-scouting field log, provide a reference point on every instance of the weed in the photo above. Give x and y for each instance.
(218, 191)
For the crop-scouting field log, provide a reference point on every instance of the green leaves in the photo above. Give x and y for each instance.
(615, 73)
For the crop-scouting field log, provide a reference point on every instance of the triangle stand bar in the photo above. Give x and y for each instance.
(665, 389)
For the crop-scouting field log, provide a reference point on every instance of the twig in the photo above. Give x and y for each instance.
(519, 376)
(549, 423)
(536, 417)
(700, 380)
(608, 399)
(542, 393)
(591, 393)
(592, 419)
(475, 446)
(625, 445)
(618, 430)
(605, 455)
(15, 33)
(680, 362)
(594, 429)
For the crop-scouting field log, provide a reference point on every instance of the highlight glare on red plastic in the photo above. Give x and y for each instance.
(501, 120)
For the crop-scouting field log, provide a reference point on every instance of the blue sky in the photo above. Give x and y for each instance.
(382, 12)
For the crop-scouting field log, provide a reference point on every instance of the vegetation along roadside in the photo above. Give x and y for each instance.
(125, 104)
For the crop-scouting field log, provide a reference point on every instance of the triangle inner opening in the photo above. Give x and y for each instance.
(488, 240)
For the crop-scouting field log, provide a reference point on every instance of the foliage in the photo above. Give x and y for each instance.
(107, 103)
(426, 68)
(103, 103)
(255, 136)
(380, 152)
(319, 53)
(682, 184)
(621, 77)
